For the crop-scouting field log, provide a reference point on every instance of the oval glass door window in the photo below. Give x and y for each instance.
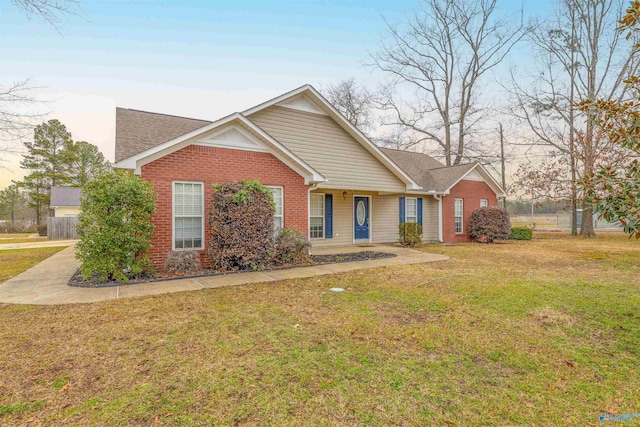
(360, 213)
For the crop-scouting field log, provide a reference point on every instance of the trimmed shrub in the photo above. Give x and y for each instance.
(42, 230)
(115, 229)
(242, 229)
(291, 248)
(521, 233)
(182, 262)
(410, 233)
(489, 223)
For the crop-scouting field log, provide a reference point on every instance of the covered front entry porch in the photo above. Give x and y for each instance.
(351, 217)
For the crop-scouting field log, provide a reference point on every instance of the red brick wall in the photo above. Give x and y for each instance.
(471, 192)
(214, 165)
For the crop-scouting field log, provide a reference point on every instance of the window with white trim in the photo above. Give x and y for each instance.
(316, 217)
(411, 209)
(188, 215)
(457, 215)
(278, 200)
(484, 203)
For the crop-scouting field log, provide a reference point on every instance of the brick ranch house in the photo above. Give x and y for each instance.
(330, 181)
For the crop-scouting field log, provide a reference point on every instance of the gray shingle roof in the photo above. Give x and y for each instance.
(442, 179)
(137, 131)
(65, 196)
(427, 171)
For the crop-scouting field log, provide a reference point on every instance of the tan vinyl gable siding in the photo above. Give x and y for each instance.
(386, 217)
(325, 146)
(430, 222)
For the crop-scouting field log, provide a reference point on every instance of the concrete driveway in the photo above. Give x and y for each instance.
(46, 282)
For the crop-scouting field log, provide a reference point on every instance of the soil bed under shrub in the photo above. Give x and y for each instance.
(95, 282)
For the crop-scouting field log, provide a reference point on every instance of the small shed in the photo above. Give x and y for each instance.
(65, 202)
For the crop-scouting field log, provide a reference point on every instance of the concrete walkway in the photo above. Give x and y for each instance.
(35, 245)
(46, 283)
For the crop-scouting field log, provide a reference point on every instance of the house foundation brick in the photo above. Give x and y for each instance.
(212, 165)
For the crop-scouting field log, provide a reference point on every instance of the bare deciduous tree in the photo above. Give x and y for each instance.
(48, 10)
(354, 101)
(439, 58)
(579, 58)
(15, 118)
(15, 99)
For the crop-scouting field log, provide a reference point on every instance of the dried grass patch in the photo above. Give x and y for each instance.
(548, 316)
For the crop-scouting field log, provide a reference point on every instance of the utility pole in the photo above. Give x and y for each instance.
(504, 178)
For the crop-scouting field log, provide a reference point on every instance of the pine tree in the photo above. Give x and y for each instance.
(10, 197)
(45, 160)
(84, 162)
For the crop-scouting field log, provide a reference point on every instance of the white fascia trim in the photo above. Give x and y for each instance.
(497, 188)
(278, 150)
(428, 193)
(345, 124)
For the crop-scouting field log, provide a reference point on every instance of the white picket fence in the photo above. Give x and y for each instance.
(62, 227)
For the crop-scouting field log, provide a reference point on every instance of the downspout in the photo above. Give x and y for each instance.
(439, 199)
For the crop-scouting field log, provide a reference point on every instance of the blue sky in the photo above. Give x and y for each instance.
(201, 59)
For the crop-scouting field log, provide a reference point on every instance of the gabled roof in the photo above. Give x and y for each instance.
(140, 133)
(436, 177)
(65, 196)
(322, 103)
(443, 178)
(138, 160)
(137, 131)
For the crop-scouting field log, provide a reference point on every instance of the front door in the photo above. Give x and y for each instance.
(361, 217)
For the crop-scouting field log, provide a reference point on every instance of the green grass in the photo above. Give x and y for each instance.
(5, 236)
(543, 332)
(15, 261)
(19, 407)
(22, 240)
(13, 238)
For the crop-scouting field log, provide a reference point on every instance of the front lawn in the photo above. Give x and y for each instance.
(15, 261)
(24, 240)
(543, 332)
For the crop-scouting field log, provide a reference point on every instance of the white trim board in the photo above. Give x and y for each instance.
(173, 216)
(486, 177)
(302, 103)
(233, 137)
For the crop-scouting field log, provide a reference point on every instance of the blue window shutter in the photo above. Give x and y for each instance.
(328, 216)
(419, 210)
(401, 210)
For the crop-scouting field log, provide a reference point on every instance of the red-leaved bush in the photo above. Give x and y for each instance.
(242, 228)
(489, 223)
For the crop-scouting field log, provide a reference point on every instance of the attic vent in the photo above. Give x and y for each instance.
(302, 103)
